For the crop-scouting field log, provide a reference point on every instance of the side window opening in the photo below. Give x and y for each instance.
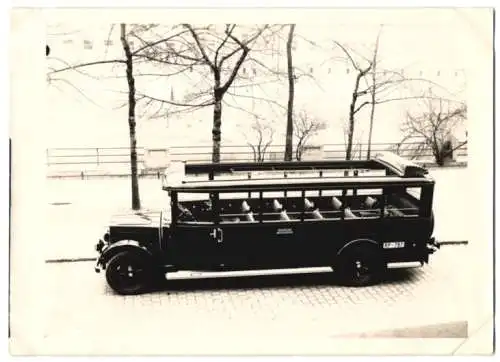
(238, 207)
(323, 205)
(290, 206)
(414, 192)
(293, 205)
(312, 205)
(276, 206)
(403, 202)
(194, 208)
(365, 204)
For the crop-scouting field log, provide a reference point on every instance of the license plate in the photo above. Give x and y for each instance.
(394, 245)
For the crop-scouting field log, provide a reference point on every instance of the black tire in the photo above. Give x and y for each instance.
(360, 265)
(130, 273)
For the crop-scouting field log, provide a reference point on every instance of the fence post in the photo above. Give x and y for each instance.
(97, 155)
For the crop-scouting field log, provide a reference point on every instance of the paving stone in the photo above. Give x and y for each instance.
(80, 304)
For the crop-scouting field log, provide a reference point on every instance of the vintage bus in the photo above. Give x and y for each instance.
(357, 217)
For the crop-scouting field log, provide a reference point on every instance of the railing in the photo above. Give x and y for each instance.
(116, 160)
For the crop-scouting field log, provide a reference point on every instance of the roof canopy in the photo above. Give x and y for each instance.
(397, 171)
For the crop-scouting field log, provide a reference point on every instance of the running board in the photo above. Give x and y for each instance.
(410, 264)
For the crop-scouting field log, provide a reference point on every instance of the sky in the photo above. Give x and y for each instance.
(425, 47)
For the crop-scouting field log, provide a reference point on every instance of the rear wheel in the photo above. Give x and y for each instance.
(360, 266)
(130, 273)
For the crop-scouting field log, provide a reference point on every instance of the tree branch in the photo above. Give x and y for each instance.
(354, 64)
(257, 98)
(73, 67)
(179, 104)
(236, 68)
(229, 30)
(242, 45)
(150, 45)
(77, 89)
(200, 47)
(360, 106)
(408, 98)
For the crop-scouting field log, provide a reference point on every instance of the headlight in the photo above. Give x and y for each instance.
(99, 246)
(106, 235)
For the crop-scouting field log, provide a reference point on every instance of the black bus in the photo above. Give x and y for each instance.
(357, 217)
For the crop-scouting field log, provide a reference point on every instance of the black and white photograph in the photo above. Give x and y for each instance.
(251, 182)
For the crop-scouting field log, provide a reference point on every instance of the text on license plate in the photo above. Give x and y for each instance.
(394, 245)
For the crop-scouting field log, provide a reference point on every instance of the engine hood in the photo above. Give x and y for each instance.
(145, 218)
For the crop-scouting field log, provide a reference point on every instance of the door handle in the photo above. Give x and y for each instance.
(217, 234)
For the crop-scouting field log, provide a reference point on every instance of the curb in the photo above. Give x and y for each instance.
(86, 259)
(69, 260)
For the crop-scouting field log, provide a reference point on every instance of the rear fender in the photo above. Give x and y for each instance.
(123, 245)
(367, 243)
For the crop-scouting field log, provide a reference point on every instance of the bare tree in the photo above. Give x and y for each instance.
(136, 201)
(222, 54)
(304, 128)
(361, 72)
(129, 61)
(374, 86)
(291, 94)
(261, 139)
(292, 73)
(433, 128)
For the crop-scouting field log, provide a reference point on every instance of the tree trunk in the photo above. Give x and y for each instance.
(372, 116)
(136, 202)
(350, 133)
(216, 129)
(373, 95)
(352, 112)
(291, 94)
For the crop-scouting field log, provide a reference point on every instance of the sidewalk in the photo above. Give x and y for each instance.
(103, 172)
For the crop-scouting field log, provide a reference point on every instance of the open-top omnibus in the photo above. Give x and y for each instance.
(356, 217)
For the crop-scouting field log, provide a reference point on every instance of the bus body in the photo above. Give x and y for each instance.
(356, 217)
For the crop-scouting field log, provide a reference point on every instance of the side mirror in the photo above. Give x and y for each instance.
(47, 50)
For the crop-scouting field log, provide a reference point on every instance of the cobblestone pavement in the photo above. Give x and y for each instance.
(198, 313)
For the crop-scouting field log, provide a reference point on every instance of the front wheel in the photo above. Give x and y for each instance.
(129, 273)
(361, 266)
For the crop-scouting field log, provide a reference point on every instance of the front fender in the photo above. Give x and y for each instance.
(119, 246)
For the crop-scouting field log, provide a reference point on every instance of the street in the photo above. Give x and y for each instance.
(199, 313)
(236, 313)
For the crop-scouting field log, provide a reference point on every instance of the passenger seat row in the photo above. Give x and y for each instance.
(278, 207)
(310, 208)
